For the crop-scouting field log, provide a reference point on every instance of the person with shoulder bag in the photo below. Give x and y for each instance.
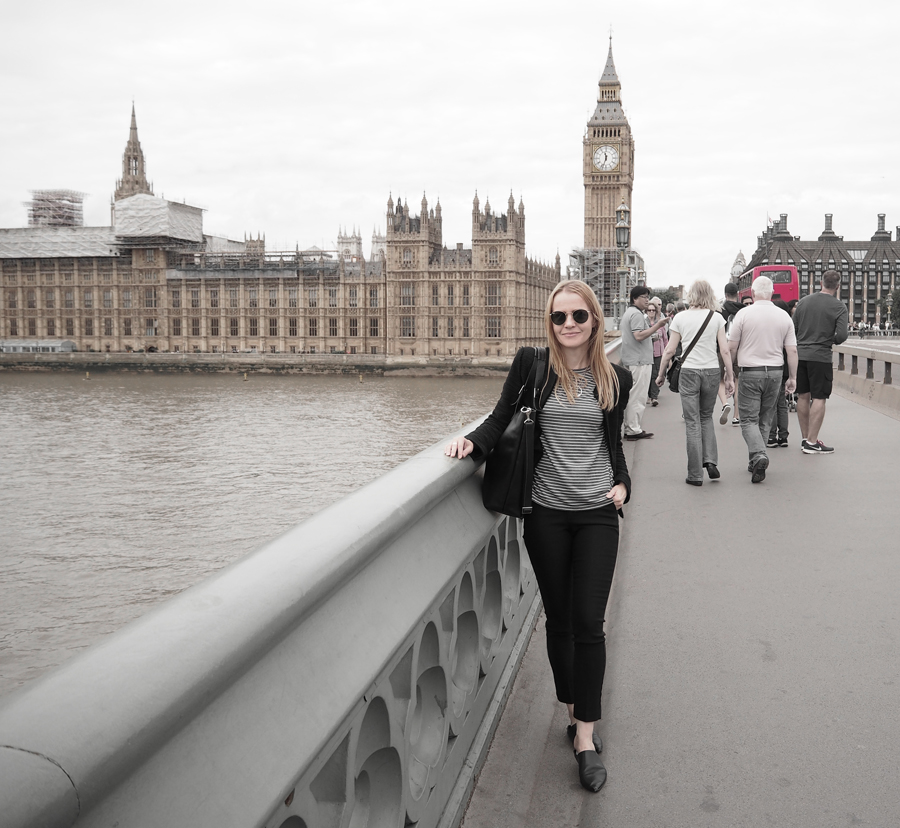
(701, 328)
(580, 484)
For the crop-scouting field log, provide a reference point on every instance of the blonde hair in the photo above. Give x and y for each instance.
(601, 368)
(701, 295)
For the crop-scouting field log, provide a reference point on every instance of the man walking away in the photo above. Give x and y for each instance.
(637, 357)
(761, 334)
(820, 321)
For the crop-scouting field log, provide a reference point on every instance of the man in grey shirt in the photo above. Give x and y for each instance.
(820, 321)
(637, 357)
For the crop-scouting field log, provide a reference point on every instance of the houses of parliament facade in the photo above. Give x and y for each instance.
(153, 281)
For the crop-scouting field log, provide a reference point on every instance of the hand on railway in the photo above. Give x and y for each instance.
(460, 447)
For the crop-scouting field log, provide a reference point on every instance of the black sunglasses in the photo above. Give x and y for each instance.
(559, 317)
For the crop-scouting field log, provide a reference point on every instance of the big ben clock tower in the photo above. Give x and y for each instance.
(608, 161)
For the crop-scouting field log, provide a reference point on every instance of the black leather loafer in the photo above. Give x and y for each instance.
(571, 730)
(712, 470)
(693, 482)
(591, 772)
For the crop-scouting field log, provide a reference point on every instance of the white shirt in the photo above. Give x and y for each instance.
(687, 323)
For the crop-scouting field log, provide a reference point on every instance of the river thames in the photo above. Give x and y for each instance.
(122, 490)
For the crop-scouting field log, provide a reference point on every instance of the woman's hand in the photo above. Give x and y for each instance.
(460, 447)
(617, 494)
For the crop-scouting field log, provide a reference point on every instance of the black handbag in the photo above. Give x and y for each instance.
(509, 470)
(673, 375)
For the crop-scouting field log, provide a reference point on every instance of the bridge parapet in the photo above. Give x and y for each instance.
(875, 389)
(347, 673)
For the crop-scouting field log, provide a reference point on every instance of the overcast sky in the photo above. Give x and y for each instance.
(296, 118)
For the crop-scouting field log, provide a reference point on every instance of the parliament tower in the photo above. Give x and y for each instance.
(134, 177)
(608, 162)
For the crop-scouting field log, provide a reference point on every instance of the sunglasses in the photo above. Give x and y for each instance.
(559, 317)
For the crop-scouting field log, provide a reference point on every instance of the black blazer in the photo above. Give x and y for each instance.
(485, 437)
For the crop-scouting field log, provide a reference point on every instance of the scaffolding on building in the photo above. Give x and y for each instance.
(599, 268)
(56, 208)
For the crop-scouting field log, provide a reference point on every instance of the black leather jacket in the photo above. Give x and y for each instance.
(488, 433)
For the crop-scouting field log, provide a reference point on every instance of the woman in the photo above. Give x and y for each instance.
(580, 484)
(660, 340)
(699, 382)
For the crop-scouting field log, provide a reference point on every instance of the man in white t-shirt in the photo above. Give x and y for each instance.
(760, 336)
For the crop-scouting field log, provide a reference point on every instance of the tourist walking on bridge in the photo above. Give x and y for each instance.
(637, 357)
(580, 484)
(699, 328)
(760, 336)
(820, 321)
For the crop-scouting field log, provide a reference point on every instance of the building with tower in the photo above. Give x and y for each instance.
(608, 175)
(154, 281)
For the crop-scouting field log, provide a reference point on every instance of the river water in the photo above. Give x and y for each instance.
(120, 491)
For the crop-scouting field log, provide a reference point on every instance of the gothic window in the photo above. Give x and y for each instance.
(353, 300)
(176, 327)
(450, 326)
(313, 298)
(465, 332)
(151, 327)
(292, 297)
(292, 326)
(233, 327)
(11, 301)
(32, 327)
(149, 256)
(254, 299)
(195, 326)
(465, 296)
(14, 327)
(126, 324)
(273, 298)
(435, 295)
(332, 327)
(214, 298)
(407, 256)
(89, 299)
(50, 300)
(450, 296)
(373, 327)
(273, 326)
(107, 299)
(31, 301)
(373, 297)
(434, 326)
(493, 327)
(313, 327)
(407, 326)
(408, 294)
(214, 326)
(493, 294)
(493, 256)
(233, 297)
(332, 297)
(254, 326)
(51, 327)
(195, 298)
(150, 299)
(133, 166)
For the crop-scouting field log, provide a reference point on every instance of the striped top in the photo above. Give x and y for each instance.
(575, 471)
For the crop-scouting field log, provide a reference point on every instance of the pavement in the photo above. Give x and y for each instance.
(754, 648)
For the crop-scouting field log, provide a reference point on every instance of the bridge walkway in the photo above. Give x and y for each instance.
(754, 648)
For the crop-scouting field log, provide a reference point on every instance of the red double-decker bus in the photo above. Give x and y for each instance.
(784, 277)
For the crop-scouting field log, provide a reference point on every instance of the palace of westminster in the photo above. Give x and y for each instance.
(153, 281)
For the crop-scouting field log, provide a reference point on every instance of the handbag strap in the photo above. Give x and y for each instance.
(537, 370)
(694, 340)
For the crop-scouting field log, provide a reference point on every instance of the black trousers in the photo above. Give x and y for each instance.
(574, 558)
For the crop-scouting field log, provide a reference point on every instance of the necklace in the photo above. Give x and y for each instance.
(581, 383)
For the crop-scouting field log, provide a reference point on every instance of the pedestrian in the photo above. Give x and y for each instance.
(820, 321)
(730, 308)
(637, 357)
(699, 380)
(660, 340)
(760, 336)
(580, 484)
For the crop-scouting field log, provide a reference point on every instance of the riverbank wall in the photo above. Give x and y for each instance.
(370, 364)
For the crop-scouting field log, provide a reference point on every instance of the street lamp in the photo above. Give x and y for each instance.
(623, 237)
(889, 301)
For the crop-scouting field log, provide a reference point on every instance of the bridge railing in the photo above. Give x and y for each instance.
(349, 672)
(876, 388)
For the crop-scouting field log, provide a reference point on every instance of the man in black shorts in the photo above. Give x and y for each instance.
(820, 321)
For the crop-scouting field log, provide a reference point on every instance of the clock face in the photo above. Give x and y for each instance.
(606, 158)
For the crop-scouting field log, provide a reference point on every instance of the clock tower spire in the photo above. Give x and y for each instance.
(608, 161)
(134, 179)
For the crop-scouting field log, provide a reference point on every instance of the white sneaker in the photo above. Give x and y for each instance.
(726, 413)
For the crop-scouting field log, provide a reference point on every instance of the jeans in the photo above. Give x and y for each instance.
(756, 404)
(574, 557)
(637, 402)
(653, 390)
(779, 427)
(699, 390)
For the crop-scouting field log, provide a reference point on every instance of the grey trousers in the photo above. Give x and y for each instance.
(698, 389)
(779, 427)
(756, 406)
